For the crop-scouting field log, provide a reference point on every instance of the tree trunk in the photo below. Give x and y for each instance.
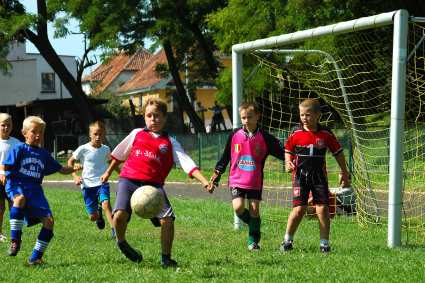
(49, 54)
(181, 97)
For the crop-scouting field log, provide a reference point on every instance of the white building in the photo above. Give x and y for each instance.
(31, 78)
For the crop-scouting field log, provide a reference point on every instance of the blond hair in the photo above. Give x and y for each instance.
(159, 103)
(312, 104)
(5, 117)
(97, 124)
(26, 124)
(249, 105)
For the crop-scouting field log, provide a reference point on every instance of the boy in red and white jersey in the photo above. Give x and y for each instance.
(148, 155)
(305, 157)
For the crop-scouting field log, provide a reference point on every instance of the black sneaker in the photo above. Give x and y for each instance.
(100, 222)
(325, 249)
(286, 246)
(129, 252)
(15, 246)
(168, 262)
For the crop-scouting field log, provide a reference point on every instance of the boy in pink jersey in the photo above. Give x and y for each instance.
(247, 149)
(148, 155)
(305, 152)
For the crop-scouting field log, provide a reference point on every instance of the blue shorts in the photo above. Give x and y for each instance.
(36, 205)
(94, 196)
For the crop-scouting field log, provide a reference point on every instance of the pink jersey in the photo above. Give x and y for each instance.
(149, 157)
(247, 158)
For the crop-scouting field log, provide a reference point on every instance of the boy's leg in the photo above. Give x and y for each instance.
(43, 240)
(238, 203)
(2, 210)
(322, 211)
(104, 199)
(16, 223)
(254, 231)
(167, 235)
(90, 201)
(121, 216)
(294, 221)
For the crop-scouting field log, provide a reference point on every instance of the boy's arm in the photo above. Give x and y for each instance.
(2, 174)
(198, 176)
(289, 165)
(345, 180)
(114, 163)
(77, 179)
(222, 163)
(274, 146)
(68, 169)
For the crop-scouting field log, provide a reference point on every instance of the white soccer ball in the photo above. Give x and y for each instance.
(147, 201)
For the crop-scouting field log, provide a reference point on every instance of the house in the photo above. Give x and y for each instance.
(32, 88)
(147, 82)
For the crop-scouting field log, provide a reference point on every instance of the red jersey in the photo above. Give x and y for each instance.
(309, 148)
(149, 156)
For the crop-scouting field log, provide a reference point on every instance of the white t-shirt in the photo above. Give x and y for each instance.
(94, 161)
(5, 146)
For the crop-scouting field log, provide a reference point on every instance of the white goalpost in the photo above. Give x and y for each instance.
(348, 109)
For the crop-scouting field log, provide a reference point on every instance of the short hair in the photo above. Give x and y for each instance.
(249, 105)
(312, 104)
(98, 124)
(159, 103)
(33, 120)
(5, 117)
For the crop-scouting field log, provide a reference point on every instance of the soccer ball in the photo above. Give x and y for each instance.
(147, 201)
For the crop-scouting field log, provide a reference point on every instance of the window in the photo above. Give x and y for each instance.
(48, 82)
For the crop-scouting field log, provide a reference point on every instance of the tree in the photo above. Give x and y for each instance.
(17, 24)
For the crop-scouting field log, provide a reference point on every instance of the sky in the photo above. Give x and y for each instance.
(72, 45)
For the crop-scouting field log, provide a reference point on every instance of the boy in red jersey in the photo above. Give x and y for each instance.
(305, 152)
(148, 155)
(246, 150)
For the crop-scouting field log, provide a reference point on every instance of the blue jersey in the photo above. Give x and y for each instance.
(27, 165)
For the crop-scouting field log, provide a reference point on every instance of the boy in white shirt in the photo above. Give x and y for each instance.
(6, 143)
(94, 157)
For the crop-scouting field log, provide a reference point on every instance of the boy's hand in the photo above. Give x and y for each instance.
(209, 187)
(77, 167)
(344, 179)
(104, 178)
(78, 180)
(2, 179)
(215, 179)
(289, 166)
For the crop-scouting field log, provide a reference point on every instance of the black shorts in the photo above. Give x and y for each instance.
(125, 190)
(304, 182)
(245, 193)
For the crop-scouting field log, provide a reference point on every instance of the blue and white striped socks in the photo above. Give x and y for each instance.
(16, 223)
(41, 245)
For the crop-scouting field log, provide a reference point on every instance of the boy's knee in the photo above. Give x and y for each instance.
(19, 200)
(120, 216)
(94, 216)
(299, 211)
(48, 223)
(166, 221)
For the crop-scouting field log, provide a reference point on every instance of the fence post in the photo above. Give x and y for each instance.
(199, 135)
(55, 147)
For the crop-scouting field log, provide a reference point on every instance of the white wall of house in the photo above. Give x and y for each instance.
(24, 81)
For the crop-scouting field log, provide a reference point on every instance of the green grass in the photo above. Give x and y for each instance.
(209, 250)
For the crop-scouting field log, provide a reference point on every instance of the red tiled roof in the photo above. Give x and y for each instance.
(147, 76)
(106, 73)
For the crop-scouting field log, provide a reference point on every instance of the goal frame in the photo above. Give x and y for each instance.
(400, 20)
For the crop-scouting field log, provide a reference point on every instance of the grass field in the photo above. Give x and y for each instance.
(209, 250)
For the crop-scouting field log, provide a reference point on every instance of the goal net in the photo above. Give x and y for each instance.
(350, 70)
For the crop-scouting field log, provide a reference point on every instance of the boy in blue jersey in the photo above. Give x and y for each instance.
(25, 165)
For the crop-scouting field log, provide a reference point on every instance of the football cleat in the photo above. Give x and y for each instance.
(168, 262)
(286, 246)
(15, 246)
(254, 247)
(129, 252)
(35, 262)
(100, 222)
(325, 249)
(2, 238)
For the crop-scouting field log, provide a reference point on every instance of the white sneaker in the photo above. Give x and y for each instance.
(2, 238)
